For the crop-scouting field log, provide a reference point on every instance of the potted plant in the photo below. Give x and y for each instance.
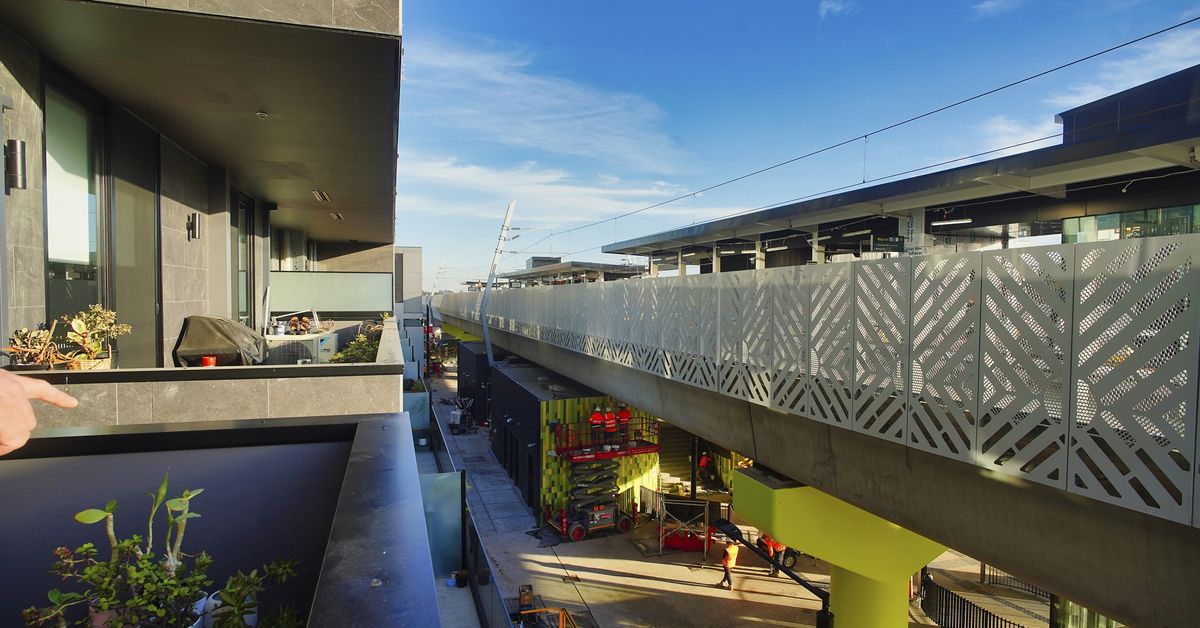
(93, 330)
(34, 349)
(137, 587)
(236, 604)
(133, 585)
(361, 349)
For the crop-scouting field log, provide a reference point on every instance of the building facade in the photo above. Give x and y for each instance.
(166, 158)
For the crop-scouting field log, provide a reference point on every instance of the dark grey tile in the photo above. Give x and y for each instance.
(97, 406)
(307, 396)
(171, 402)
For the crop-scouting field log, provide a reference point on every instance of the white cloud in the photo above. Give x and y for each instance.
(445, 186)
(1002, 131)
(1158, 57)
(836, 7)
(497, 96)
(992, 8)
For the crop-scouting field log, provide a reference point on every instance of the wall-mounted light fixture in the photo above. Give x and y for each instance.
(193, 226)
(14, 165)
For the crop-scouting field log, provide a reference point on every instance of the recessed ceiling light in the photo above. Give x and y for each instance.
(262, 115)
(337, 216)
(321, 195)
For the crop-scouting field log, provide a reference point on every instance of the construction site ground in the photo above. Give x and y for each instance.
(621, 580)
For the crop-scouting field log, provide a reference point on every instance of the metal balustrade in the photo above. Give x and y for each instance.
(1069, 365)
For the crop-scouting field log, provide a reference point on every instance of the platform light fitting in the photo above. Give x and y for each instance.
(692, 254)
(951, 221)
(777, 247)
(853, 234)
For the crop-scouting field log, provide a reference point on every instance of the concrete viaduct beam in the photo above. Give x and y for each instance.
(1135, 568)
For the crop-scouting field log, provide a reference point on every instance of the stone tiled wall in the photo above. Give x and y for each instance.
(25, 254)
(132, 403)
(371, 16)
(185, 263)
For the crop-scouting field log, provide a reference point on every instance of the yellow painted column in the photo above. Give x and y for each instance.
(872, 557)
(861, 601)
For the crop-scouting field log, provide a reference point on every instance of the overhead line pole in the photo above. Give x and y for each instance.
(487, 290)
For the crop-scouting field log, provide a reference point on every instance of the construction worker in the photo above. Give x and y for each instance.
(728, 559)
(774, 550)
(596, 420)
(623, 416)
(610, 425)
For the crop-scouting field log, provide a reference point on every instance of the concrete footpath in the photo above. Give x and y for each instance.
(620, 580)
(609, 580)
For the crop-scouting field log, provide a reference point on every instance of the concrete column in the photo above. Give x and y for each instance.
(760, 256)
(679, 263)
(872, 558)
(818, 251)
(857, 600)
(653, 266)
(716, 260)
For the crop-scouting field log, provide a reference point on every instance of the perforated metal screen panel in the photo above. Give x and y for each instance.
(1025, 348)
(1071, 365)
(881, 298)
(790, 337)
(944, 378)
(1133, 410)
(831, 344)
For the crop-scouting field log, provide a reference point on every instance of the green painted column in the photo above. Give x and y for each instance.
(873, 558)
(857, 600)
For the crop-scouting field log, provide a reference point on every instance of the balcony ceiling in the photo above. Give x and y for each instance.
(331, 97)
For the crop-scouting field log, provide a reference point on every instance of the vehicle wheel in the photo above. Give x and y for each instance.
(789, 559)
(624, 524)
(576, 532)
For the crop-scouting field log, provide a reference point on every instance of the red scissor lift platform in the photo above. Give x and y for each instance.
(574, 442)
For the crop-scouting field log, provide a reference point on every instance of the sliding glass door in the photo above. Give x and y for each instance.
(134, 275)
(74, 215)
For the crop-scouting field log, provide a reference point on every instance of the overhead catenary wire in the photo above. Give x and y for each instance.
(866, 136)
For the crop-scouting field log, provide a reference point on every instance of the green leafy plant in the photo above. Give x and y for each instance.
(93, 329)
(134, 586)
(34, 346)
(239, 597)
(361, 349)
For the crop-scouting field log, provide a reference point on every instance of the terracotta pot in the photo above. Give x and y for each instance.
(101, 619)
(91, 365)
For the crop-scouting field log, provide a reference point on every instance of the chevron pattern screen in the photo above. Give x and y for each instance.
(1073, 366)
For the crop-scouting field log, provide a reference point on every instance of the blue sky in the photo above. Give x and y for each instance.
(585, 110)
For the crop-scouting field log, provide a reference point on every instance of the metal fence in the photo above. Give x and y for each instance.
(1069, 365)
(951, 610)
(991, 575)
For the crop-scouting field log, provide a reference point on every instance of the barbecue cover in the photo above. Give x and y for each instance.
(234, 344)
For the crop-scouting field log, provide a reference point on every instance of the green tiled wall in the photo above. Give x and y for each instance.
(634, 471)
